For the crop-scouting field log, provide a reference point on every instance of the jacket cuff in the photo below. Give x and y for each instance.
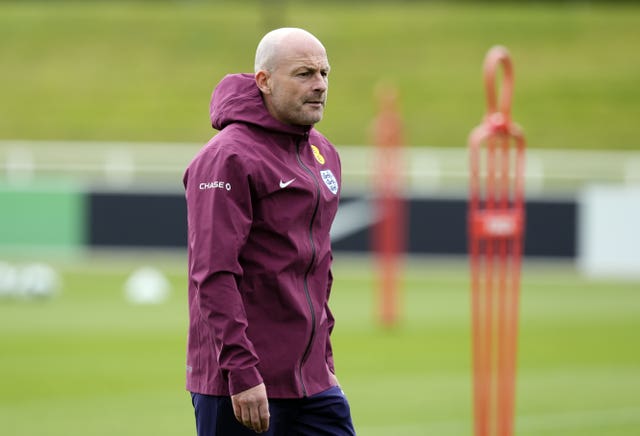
(242, 379)
(330, 366)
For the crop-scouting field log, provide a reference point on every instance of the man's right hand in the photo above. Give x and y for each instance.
(251, 408)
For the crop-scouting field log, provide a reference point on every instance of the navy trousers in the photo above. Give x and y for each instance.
(326, 413)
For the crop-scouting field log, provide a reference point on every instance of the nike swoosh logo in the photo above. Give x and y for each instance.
(285, 184)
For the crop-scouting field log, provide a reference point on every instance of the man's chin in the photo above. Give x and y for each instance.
(315, 117)
(308, 118)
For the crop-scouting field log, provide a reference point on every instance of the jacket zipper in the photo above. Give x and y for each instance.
(307, 350)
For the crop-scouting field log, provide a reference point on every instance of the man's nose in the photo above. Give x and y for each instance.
(320, 82)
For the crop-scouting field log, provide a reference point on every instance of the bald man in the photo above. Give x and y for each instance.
(261, 197)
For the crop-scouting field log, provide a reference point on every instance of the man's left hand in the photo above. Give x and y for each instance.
(251, 408)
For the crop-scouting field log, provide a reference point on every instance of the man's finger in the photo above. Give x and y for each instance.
(263, 409)
(245, 415)
(237, 410)
(255, 423)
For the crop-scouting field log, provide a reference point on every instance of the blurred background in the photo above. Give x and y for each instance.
(104, 103)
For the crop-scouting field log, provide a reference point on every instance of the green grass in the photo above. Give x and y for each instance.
(144, 71)
(88, 363)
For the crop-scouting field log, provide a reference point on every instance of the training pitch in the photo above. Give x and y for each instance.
(89, 363)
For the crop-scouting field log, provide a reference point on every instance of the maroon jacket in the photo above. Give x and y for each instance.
(261, 197)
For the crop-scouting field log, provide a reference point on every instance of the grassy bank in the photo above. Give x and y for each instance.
(144, 71)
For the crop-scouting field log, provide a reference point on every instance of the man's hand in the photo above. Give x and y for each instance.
(252, 408)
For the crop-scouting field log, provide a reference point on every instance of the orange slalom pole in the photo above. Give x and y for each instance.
(496, 218)
(390, 229)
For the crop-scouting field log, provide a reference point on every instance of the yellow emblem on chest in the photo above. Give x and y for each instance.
(316, 153)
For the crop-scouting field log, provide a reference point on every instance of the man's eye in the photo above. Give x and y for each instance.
(303, 74)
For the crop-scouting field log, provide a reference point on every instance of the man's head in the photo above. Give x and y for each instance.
(292, 72)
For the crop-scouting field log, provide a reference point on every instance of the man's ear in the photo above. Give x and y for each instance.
(263, 82)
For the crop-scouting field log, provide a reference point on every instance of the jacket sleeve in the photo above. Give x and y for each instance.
(330, 319)
(331, 323)
(219, 215)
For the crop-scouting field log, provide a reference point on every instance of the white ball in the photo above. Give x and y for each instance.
(147, 285)
(37, 280)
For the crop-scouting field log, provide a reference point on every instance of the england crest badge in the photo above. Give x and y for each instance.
(330, 180)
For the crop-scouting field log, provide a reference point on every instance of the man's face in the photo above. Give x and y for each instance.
(298, 86)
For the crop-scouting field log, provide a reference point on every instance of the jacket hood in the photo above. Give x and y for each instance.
(237, 99)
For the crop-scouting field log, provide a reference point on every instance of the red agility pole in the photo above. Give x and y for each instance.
(390, 229)
(496, 229)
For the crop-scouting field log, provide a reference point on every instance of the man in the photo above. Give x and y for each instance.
(261, 197)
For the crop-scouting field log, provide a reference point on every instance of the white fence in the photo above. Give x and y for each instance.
(428, 170)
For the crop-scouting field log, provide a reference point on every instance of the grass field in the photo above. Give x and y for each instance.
(144, 70)
(88, 363)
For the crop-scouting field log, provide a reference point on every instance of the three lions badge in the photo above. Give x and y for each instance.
(330, 180)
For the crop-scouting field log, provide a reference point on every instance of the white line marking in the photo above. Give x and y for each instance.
(351, 218)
